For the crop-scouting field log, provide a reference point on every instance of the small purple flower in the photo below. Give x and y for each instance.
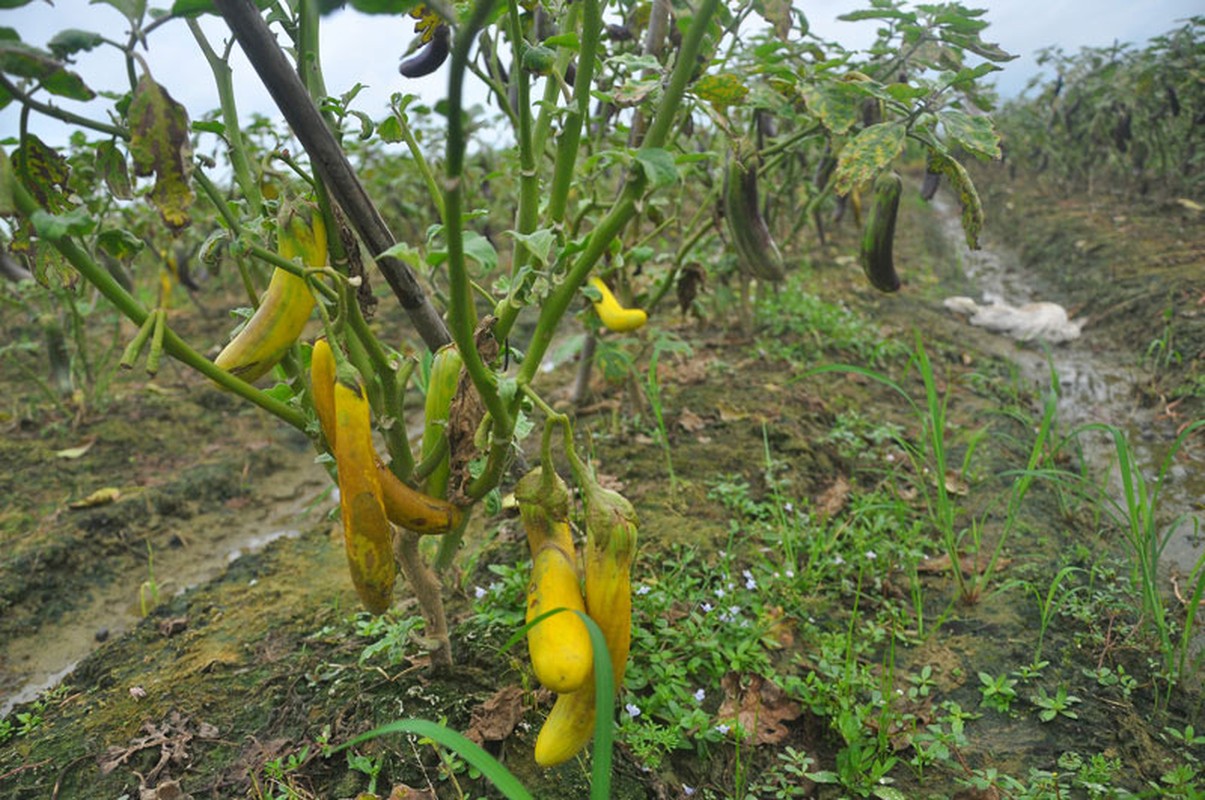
(632, 709)
(700, 695)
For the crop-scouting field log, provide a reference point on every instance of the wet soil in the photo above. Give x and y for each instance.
(251, 656)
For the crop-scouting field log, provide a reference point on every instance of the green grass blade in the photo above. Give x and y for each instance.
(604, 705)
(490, 768)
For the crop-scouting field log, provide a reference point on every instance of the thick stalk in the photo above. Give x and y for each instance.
(529, 177)
(329, 161)
(427, 591)
(124, 302)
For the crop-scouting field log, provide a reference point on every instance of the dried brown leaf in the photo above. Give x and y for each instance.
(762, 709)
(496, 718)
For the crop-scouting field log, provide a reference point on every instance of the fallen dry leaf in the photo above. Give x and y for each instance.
(98, 498)
(971, 565)
(761, 708)
(832, 500)
(496, 718)
(691, 422)
(404, 792)
(76, 452)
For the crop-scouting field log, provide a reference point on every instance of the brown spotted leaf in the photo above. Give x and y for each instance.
(159, 146)
(778, 14)
(762, 709)
(111, 164)
(722, 90)
(43, 172)
(837, 105)
(972, 208)
(868, 153)
(496, 718)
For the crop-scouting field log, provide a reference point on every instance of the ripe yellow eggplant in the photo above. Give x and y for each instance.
(367, 535)
(559, 645)
(285, 306)
(614, 316)
(611, 526)
(322, 388)
(568, 728)
(543, 501)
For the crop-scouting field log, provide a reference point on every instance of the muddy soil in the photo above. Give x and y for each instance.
(251, 656)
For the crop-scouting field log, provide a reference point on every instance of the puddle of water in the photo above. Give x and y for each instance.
(1096, 385)
(208, 542)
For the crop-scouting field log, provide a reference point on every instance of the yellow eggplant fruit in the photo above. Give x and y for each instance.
(322, 388)
(559, 645)
(403, 505)
(610, 547)
(614, 316)
(544, 508)
(568, 728)
(367, 535)
(285, 306)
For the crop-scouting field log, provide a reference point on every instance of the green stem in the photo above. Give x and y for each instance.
(420, 160)
(224, 80)
(529, 177)
(59, 113)
(124, 302)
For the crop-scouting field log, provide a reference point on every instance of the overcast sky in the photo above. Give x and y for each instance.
(365, 49)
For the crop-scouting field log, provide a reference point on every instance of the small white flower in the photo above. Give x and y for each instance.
(700, 695)
(750, 583)
(890, 457)
(688, 790)
(632, 709)
(479, 593)
(788, 506)
(722, 728)
(838, 560)
(790, 573)
(707, 608)
(642, 589)
(871, 555)
(719, 592)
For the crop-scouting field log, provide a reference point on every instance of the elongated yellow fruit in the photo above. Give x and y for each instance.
(404, 505)
(322, 388)
(367, 536)
(612, 314)
(543, 502)
(284, 308)
(559, 645)
(610, 547)
(568, 728)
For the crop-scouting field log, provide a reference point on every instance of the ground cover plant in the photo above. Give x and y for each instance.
(652, 469)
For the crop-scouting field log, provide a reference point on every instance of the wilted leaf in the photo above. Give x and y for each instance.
(761, 708)
(111, 164)
(76, 452)
(722, 89)
(43, 172)
(691, 422)
(159, 146)
(778, 14)
(98, 498)
(972, 208)
(975, 134)
(868, 153)
(120, 243)
(496, 718)
(833, 499)
(956, 484)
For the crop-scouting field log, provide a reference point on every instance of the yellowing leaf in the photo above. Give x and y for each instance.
(972, 208)
(76, 452)
(721, 90)
(98, 498)
(868, 153)
(159, 146)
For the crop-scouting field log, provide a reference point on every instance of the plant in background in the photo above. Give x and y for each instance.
(998, 692)
(1056, 705)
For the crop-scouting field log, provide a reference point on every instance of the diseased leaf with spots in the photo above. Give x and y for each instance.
(159, 146)
(24, 61)
(721, 89)
(43, 172)
(868, 153)
(111, 165)
(975, 134)
(972, 208)
(778, 14)
(838, 106)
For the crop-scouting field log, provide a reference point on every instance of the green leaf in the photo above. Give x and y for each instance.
(877, 13)
(972, 208)
(18, 58)
(567, 40)
(837, 105)
(395, 7)
(975, 134)
(478, 248)
(868, 153)
(14, 3)
(905, 93)
(539, 242)
(120, 243)
(658, 165)
(57, 226)
(132, 9)
(111, 165)
(191, 8)
(390, 130)
(71, 41)
(209, 126)
(8, 205)
(159, 146)
(403, 251)
(972, 42)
